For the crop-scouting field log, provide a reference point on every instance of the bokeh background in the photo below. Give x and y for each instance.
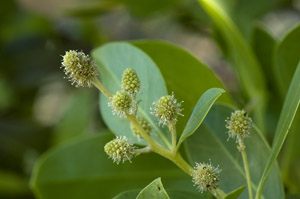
(39, 109)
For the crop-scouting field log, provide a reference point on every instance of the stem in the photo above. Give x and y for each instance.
(219, 194)
(142, 151)
(172, 128)
(101, 88)
(246, 167)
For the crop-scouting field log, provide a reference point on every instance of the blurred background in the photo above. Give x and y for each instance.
(39, 109)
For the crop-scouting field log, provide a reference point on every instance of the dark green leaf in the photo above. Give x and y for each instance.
(155, 190)
(287, 116)
(81, 169)
(236, 193)
(112, 60)
(210, 143)
(127, 194)
(200, 111)
(286, 58)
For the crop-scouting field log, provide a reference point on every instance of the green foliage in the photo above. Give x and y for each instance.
(112, 60)
(155, 190)
(209, 142)
(236, 193)
(287, 116)
(200, 111)
(81, 169)
(185, 75)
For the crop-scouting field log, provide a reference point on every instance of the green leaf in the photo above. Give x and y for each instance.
(81, 169)
(287, 115)
(243, 58)
(235, 193)
(112, 60)
(127, 194)
(185, 75)
(155, 190)
(210, 143)
(76, 118)
(263, 44)
(286, 58)
(174, 194)
(200, 111)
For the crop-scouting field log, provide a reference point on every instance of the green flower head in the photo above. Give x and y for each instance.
(239, 124)
(120, 149)
(79, 68)
(131, 82)
(205, 176)
(144, 124)
(122, 104)
(166, 109)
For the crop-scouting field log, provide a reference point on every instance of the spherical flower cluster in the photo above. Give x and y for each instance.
(131, 82)
(166, 109)
(144, 124)
(121, 104)
(79, 68)
(120, 149)
(205, 176)
(239, 125)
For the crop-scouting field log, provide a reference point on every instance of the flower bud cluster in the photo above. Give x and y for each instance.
(205, 176)
(239, 125)
(79, 68)
(120, 149)
(166, 109)
(131, 82)
(123, 102)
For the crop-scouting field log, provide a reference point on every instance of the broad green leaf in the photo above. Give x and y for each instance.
(174, 194)
(243, 59)
(155, 190)
(286, 58)
(200, 111)
(81, 169)
(127, 194)
(287, 115)
(185, 75)
(235, 193)
(210, 143)
(76, 118)
(263, 44)
(112, 60)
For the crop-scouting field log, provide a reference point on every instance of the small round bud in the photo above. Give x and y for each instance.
(79, 68)
(166, 109)
(121, 104)
(205, 176)
(144, 124)
(239, 124)
(120, 149)
(131, 82)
